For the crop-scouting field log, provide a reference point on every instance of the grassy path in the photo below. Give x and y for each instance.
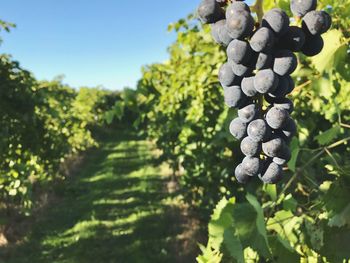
(114, 209)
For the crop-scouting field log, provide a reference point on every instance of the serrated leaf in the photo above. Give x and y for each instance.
(233, 244)
(328, 136)
(341, 219)
(282, 250)
(260, 223)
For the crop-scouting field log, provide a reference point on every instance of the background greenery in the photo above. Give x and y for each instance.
(178, 105)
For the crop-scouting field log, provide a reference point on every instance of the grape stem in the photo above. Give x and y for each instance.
(258, 9)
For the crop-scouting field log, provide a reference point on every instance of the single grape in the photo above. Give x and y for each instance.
(273, 147)
(263, 40)
(233, 96)
(209, 11)
(285, 104)
(277, 20)
(272, 173)
(265, 81)
(284, 157)
(259, 131)
(240, 69)
(313, 45)
(239, 51)
(248, 113)
(264, 61)
(293, 40)
(250, 148)
(238, 129)
(237, 8)
(285, 62)
(302, 7)
(215, 28)
(282, 88)
(316, 22)
(291, 84)
(248, 86)
(241, 176)
(269, 99)
(225, 38)
(251, 165)
(227, 77)
(240, 25)
(289, 129)
(276, 118)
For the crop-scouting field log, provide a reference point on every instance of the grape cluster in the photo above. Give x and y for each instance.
(256, 77)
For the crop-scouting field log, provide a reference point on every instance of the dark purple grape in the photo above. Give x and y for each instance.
(285, 62)
(237, 8)
(291, 85)
(272, 173)
(240, 25)
(276, 118)
(313, 45)
(248, 113)
(215, 28)
(239, 51)
(277, 20)
(273, 147)
(293, 40)
(209, 11)
(302, 7)
(250, 148)
(251, 166)
(240, 69)
(241, 176)
(227, 77)
(264, 61)
(265, 81)
(223, 33)
(263, 40)
(233, 96)
(282, 88)
(289, 129)
(248, 86)
(238, 129)
(284, 157)
(285, 104)
(259, 131)
(316, 22)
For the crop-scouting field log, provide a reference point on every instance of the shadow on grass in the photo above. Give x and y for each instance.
(113, 210)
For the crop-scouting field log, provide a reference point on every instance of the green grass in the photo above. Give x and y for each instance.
(114, 209)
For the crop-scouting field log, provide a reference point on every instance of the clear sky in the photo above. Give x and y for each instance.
(91, 42)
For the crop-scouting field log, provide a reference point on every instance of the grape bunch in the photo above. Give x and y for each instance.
(256, 77)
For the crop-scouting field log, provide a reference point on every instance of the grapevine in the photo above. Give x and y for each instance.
(257, 76)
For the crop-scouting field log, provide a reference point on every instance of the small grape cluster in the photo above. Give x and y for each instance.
(256, 78)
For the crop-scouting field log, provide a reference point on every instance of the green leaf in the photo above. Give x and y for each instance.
(328, 136)
(286, 224)
(282, 250)
(271, 190)
(326, 60)
(341, 219)
(289, 203)
(315, 234)
(260, 223)
(233, 244)
(294, 146)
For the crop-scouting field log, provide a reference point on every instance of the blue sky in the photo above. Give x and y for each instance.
(91, 42)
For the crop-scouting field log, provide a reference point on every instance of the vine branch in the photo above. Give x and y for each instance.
(258, 8)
